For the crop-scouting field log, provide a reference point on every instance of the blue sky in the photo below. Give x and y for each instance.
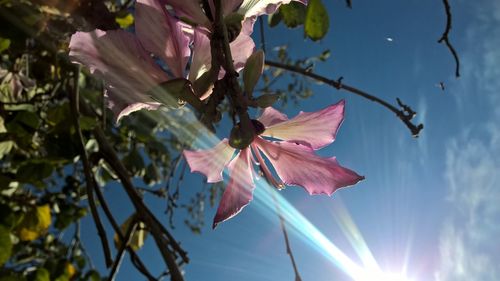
(428, 206)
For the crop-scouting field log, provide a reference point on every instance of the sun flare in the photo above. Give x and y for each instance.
(382, 276)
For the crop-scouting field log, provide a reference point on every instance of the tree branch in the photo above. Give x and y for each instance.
(162, 236)
(124, 245)
(136, 261)
(157, 230)
(89, 179)
(444, 38)
(404, 113)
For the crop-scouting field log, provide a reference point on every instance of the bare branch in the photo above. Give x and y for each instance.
(74, 98)
(402, 113)
(348, 3)
(287, 241)
(445, 39)
(124, 245)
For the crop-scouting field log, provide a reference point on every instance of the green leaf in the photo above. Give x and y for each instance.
(317, 20)
(5, 148)
(274, 19)
(5, 244)
(34, 172)
(42, 274)
(267, 100)
(134, 163)
(2, 126)
(87, 123)
(4, 44)
(293, 14)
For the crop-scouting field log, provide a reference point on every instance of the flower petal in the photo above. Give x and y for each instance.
(239, 191)
(190, 9)
(241, 49)
(271, 116)
(162, 34)
(119, 59)
(202, 58)
(316, 129)
(255, 8)
(210, 162)
(297, 164)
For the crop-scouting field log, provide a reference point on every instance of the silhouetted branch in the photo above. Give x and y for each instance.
(348, 3)
(161, 235)
(124, 244)
(285, 235)
(136, 261)
(89, 179)
(444, 38)
(403, 113)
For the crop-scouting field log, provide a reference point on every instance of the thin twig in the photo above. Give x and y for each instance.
(262, 36)
(285, 235)
(348, 3)
(121, 252)
(74, 98)
(403, 113)
(136, 261)
(161, 235)
(157, 229)
(444, 38)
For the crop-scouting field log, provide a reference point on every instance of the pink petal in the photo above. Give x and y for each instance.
(251, 8)
(202, 58)
(210, 162)
(297, 164)
(119, 59)
(239, 191)
(316, 129)
(190, 9)
(271, 116)
(162, 34)
(241, 48)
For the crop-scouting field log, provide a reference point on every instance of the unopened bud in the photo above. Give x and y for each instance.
(241, 136)
(266, 100)
(175, 92)
(253, 69)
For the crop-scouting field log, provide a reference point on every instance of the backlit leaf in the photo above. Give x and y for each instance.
(317, 21)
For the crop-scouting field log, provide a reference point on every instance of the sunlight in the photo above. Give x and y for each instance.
(368, 275)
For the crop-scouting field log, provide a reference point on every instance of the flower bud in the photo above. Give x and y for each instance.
(241, 136)
(253, 69)
(175, 92)
(266, 100)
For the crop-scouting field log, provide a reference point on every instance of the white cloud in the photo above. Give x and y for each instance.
(469, 241)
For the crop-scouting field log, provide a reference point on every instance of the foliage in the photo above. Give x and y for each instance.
(60, 146)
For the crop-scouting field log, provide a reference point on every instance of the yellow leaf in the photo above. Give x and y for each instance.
(125, 21)
(70, 270)
(140, 234)
(35, 223)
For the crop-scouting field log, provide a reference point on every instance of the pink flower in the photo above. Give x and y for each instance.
(123, 59)
(293, 158)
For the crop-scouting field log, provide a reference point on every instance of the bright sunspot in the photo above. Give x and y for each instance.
(383, 276)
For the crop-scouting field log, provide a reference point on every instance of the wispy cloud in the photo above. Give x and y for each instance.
(469, 245)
